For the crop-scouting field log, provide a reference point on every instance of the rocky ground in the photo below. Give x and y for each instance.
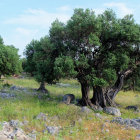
(13, 128)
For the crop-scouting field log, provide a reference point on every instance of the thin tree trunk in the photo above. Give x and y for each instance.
(42, 87)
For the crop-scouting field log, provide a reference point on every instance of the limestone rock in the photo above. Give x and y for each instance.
(7, 95)
(10, 130)
(112, 111)
(41, 116)
(68, 98)
(86, 110)
(133, 123)
(135, 108)
(52, 130)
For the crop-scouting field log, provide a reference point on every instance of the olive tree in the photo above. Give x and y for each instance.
(102, 50)
(40, 60)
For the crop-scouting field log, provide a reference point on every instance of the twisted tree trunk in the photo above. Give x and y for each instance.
(103, 97)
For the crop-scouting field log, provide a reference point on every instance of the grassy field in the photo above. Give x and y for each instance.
(27, 107)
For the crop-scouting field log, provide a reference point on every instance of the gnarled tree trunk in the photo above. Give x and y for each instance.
(103, 97)
(42, 87)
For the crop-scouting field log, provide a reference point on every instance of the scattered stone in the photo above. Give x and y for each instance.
(16, 88)
(52, 130)
(112, 111)
(13, 88)
(32, 135)
(7, 95)
(86, 110)
(41, 116)
(68, 98)
(15, 123)
(135, 108)
(98, 115)
(10, 130)
(99, 108)
(133, 123)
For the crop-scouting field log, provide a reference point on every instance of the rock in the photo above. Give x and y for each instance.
(32, 135)
(13, 88)
(98, 115)
(52, 130)
(99, 108)
(15, 123)
(86, 110)
(16, 88)
(10, 130)
(7, 95)
(68, 98)
(41, 116)
(135, 108)
(137, 137)
(112, 111)
(133, 123)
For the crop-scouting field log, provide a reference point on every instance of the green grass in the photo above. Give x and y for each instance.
(28, 107)
(126, 99)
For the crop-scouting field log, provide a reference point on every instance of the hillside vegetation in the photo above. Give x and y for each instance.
(74, 124)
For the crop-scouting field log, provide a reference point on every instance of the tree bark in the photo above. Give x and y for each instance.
(105, 97)
(85, 101)
(42, 87)
(112, 92)
(98, 96)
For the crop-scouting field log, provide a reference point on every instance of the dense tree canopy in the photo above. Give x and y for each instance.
(100, 51)
(9, 60)
(104, 50)
(40, 61)
(29, 63)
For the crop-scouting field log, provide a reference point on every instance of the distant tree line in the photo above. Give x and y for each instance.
(102, 52)
(10, 62)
